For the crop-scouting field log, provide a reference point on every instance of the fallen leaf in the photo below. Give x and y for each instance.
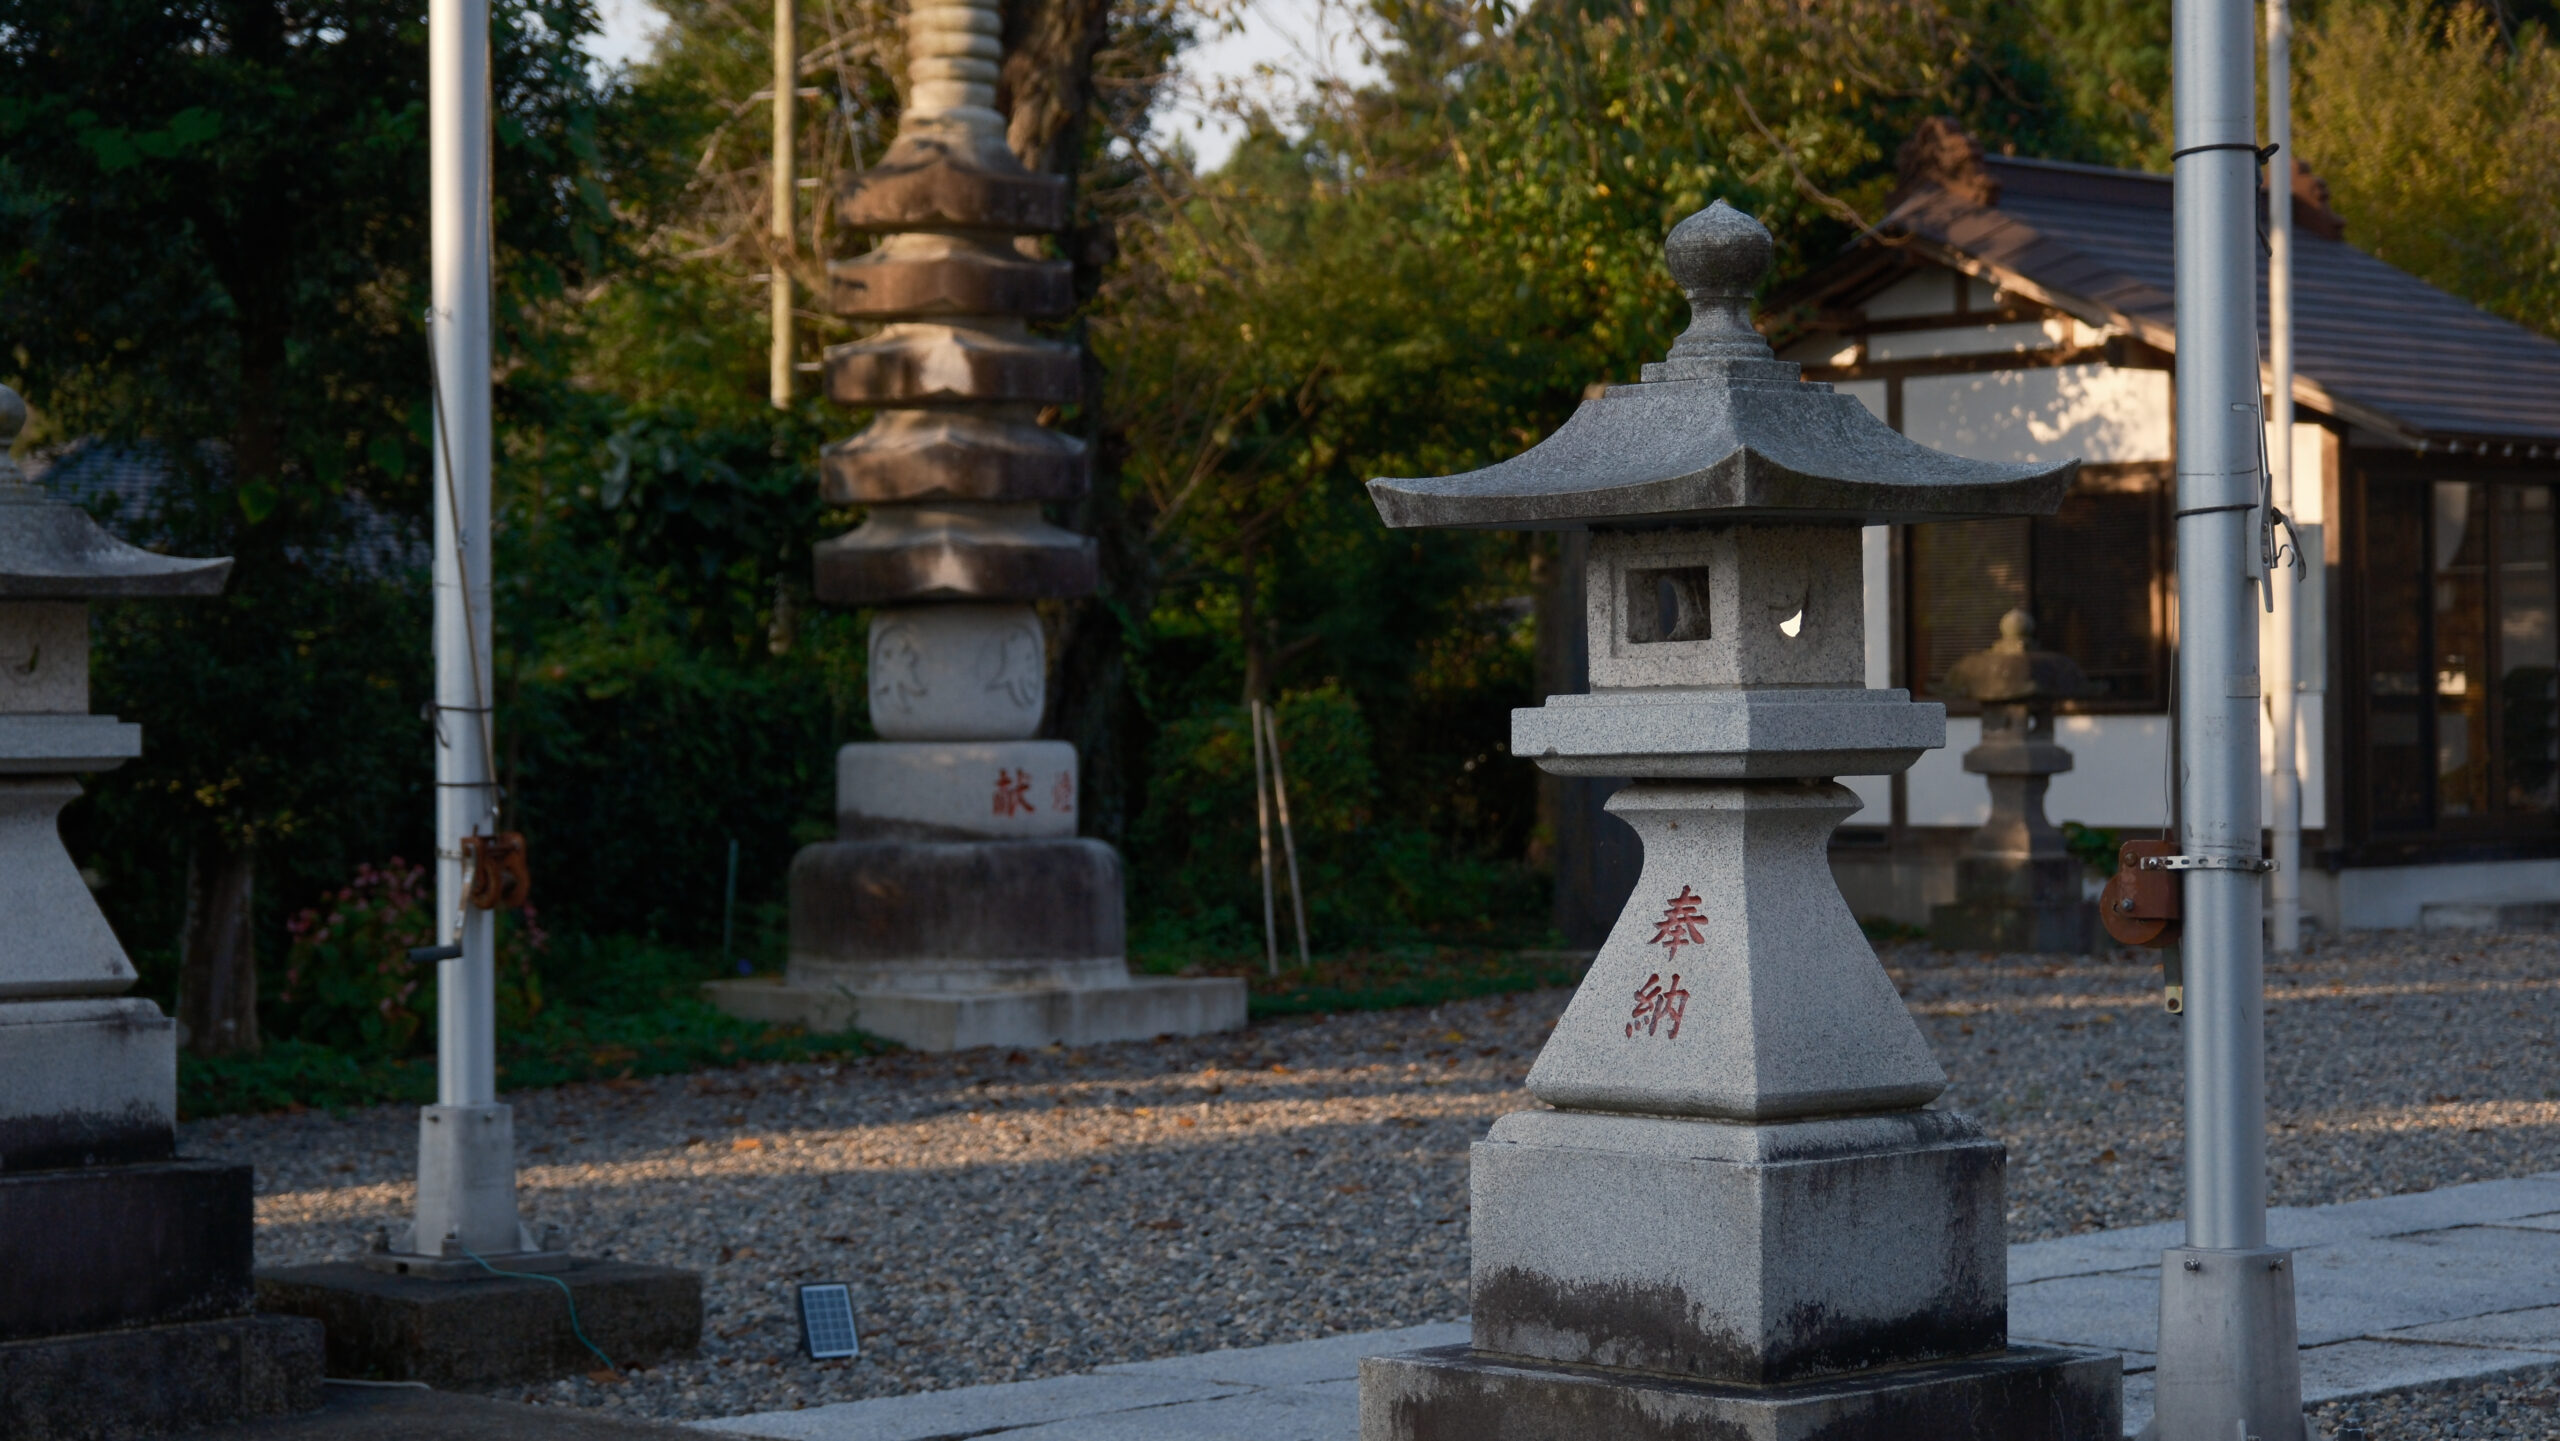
(747, 1143)
(1167, 1224)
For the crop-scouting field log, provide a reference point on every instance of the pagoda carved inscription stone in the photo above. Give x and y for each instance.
(958, 906)
(120, 1261)
(1736, 1212)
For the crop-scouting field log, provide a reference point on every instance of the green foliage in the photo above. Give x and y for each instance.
(2439, 136)
(2095, 846)
(348, 979)
(623, 1009)
(1413, 975)
(1364, 877)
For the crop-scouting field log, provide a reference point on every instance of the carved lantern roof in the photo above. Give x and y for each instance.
(51, 549)
(1721, 431)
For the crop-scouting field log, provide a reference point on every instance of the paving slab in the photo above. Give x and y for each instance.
(1328, 1358)
(2401, 1291)
(407, 1412)
(976, 1410)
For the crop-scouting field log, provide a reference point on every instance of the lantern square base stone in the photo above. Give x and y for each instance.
(159, 1380)
(1753, 1254)
(1142, 1009)
(1452, 1393)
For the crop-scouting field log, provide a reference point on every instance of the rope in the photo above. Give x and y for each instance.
(564, 1290)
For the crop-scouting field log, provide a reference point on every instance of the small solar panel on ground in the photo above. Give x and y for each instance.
(826, 1322)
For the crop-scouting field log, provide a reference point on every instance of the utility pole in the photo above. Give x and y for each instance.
(786, 188)
(466, 1141)
(2228, 1363)
(2284, 887)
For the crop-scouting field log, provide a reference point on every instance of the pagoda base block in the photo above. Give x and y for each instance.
(2068, 929)
(1454, 1393)
(159, 1380)
(1144, 1008)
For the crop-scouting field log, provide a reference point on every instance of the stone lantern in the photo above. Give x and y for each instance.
(2017, 885)
(958, 906)
(118, 1261)
(1735, 1213)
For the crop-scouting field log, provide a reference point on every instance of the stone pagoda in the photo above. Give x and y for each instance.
(1736, 1214)
(2017, 885)
(125, 1295)
(958, 907)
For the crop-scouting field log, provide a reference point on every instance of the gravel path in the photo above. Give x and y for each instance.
(1006, 1216)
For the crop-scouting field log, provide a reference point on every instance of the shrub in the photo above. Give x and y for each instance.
(349, 984)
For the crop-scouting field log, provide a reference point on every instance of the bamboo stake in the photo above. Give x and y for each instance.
(1262, 819)
(1288, 838)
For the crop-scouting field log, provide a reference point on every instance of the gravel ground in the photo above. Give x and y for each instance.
(1007, 1216)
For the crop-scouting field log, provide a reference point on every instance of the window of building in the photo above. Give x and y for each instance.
(2458, 710)
(2096, 576)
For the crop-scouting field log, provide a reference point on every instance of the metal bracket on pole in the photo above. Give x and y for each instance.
(2254, 865)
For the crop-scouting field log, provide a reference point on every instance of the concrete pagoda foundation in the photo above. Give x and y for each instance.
(958, 907)
(1740, 1217)
(125, 1295)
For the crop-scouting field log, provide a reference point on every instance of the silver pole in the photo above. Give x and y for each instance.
(466, 1150)
(786, 81)
(2228, 1364)
(2284, 823)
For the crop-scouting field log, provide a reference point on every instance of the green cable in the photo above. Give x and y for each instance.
(564, 1290)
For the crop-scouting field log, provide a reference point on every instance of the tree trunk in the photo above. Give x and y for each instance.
(217, 964)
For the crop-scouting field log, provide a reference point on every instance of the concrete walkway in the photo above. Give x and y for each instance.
(2440, 1286)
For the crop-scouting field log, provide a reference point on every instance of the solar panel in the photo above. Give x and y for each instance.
(826, 1322)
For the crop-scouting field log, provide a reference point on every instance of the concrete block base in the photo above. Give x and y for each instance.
(461, 1333)
(157, 1380)
(1748, 1254)
(1451, 1393)
(2067, 929)
(1145, 1007)
(92, 1248)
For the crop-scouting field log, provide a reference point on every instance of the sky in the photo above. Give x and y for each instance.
(1270, 52)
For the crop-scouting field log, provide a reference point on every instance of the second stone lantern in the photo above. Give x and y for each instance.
(958, 906)
(1737, 1214)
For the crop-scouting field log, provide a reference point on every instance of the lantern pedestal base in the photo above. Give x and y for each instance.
(1453, 1393)
(1141, 1008)
(1754, 1254)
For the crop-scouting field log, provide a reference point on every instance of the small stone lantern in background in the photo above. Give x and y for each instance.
(1736, 1215)
(958, 906)
(2017, 886)
(120, 1264)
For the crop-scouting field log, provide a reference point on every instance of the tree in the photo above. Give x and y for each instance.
(213, 217)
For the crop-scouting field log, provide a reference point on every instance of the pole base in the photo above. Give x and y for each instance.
(504, 1329)
(2230, 1357)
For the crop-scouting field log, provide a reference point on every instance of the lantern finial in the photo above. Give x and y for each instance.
(1719, 256)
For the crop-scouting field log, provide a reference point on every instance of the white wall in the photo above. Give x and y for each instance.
(2097, 413)
(2115, 780)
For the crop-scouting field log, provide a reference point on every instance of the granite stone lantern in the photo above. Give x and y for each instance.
(1735, 1213)
(125, 1293)
(958, 906)
(2017, 886)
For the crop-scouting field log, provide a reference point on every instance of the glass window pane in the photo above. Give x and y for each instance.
(2098, 581)
(2460, 555)
(2528, 698)
(1965, 575)
(2396, 669)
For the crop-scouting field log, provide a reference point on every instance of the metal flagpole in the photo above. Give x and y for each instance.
(786, 189)
(2284, 821)
(2228, 1367)
(466, 1141)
